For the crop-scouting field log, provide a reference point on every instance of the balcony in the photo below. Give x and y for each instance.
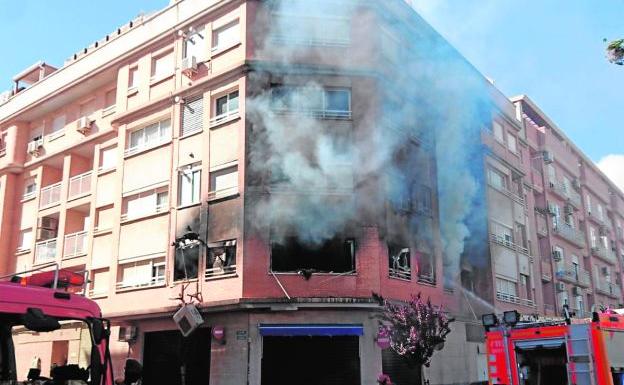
(515, 197)
(218, 194)
(75, 244)
(573, 274)
(570, 233)
(546, 270)
(79, 185)
(500, 240)
(604, 254)
(609, 289)
(136, 284)
(514, 299)
(220, 272)
(45, 251)
(565, 192)
(223, 118)
(50, 196)
(399, 273)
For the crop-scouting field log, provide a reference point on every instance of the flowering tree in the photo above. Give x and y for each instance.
(615, 52)
(415, 329)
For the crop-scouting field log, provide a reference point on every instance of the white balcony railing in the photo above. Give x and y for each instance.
(143, 212)
(80, 185)
(50, 195)
(231, 115)
(220, 272)
(400, 273)
(212, 195)
(499, 239)
(570, 233)
(137, 284)
(75, 244)
(603, 254)
(608, 288)
(573, 274)
(45, 251)
(514, 299)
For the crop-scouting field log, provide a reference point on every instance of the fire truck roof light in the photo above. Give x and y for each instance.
(511, 317)
(489, 320)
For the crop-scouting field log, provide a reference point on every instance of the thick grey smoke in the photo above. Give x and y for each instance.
(315, 164)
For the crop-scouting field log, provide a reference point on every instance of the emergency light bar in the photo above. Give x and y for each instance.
(61, 278)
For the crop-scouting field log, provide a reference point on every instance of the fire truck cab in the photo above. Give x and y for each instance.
(44, 305)
(555, 352)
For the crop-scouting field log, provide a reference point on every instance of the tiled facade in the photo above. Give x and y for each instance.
(154, 131)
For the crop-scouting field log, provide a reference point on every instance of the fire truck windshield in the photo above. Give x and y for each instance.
(39, 352)
(541, 362)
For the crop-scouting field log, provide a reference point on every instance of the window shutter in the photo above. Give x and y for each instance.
(192, 116)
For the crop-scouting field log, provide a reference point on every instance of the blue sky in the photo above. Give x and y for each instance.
(551, 50)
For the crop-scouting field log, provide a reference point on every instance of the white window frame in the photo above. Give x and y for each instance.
(195, 184)
(229, 114)
(159, 203)
(234, 40)
(164, 135)
(498, 131)
(28, 194)
(25, 242)
(133, 78)
(166, 67)
(57, 127)
(512, 139)
(104, 166)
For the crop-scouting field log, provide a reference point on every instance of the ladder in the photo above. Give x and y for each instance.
(580, 360)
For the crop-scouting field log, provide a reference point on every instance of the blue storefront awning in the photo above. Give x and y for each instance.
(327, 330)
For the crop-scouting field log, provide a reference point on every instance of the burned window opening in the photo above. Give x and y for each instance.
(336, 255)
(426, 268)
(221, 259)
(186, 262)
(399, 262)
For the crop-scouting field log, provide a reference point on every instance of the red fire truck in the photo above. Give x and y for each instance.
(36, 305)
(556, 352)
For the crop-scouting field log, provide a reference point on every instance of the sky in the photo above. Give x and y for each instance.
(550, 50)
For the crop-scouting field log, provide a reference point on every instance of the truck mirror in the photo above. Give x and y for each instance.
(37, 321)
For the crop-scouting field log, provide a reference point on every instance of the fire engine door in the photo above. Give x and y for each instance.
(541, 362)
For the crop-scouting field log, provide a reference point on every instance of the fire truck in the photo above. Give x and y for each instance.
(37, 303)
(562, 351)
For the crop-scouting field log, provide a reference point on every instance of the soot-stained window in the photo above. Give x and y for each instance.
(399, 261)
(186, 262)
(336, 255)
(221, 259)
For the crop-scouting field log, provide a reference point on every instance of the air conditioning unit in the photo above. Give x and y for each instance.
(548, 157)
(47, 223)
(557, 255)
(34, 146)
(604, 270)
(577, 291)
(189, 65)
(45, 234)
(83, 125)
(127, 333)
(560, 286)
(188, 319)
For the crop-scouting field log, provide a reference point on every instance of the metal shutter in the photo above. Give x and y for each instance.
(398, 370)
(192, 116)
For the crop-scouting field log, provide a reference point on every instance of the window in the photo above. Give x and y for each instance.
(58, 125)
(221, 259)
(30, 188)
(141, 274)
(158, 272)
(399, 262)
(146, 203)
(497, 179)
(424, 200)
(225, 107)
(108, 158)
(588, 203)
(194, 45)
(226, 36)
(511, 143)
(149, 136)
(325, 30)
(189, 185)
(498, 132)
(110, 99)
(192, 115)
(336, 255)
(223, 182)
(323, 103)
(162, 66)
(506, 287)
(25, 240)
(187, 262)
(592, 237)
(600, 212)
(3, 143)
(99, 282)
(133, 78)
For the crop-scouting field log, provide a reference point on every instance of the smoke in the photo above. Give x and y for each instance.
(419, 109)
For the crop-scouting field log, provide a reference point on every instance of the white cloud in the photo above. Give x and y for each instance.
(613, 166)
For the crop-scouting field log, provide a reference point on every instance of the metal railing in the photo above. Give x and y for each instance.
(153, 281)
(604, 254)
(570, 233)
(50, 195)
(144, 212)
(569, 272)
(230, 115)
(400, 273)
(75, 244)
(45, 251)
(565, 192)
(514, 299)
(509, 244)
(222, 193)
(608, 288)
(220, 272)
(322, 114)
(510, 194)
(80, 184)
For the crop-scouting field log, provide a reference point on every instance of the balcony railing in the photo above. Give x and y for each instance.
(143, 212)
(45, 251)
(135, 284)
(514, 299)
(607, 288)
(75, 244)
(226, 192)
(570, 233)
(321, 114)
(510, 194)
(604, 254)
(231, 115)
(50, 195)
(565, 192)
(400, 273)
(498, 239)
(80, 185)
(573, 274)
(220, 272)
